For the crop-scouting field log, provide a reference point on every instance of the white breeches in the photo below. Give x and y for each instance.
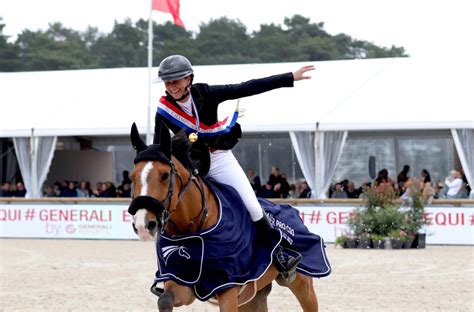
(226, 169)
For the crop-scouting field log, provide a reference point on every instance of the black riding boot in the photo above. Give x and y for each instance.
(285, 261)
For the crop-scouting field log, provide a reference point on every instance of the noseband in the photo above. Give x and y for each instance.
(157, 207)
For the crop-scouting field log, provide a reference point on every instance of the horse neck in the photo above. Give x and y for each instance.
(188, 214)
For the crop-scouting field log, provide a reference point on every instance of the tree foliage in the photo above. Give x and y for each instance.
(219, 41)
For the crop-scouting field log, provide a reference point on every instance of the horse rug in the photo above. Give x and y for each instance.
(227, 255)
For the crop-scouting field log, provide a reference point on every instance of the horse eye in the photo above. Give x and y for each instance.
(165, 176)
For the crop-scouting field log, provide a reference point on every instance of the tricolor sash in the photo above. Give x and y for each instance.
(190, 124)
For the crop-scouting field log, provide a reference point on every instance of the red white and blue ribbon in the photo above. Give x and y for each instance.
(192, 124)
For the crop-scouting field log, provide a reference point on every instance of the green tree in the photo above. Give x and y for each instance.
(54, 49)
(9, 54)
(222, 41)
(125, 46)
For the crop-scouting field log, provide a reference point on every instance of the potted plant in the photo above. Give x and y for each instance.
(377, 241)
(341, 241)
(396, 239)
(414, 214)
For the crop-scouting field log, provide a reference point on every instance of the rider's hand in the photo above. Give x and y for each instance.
(299, 74)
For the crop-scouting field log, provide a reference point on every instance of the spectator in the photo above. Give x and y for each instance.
(425, 176)
(428, 192)
(97, 190)
(305, 190)
(84, 189)
(454, 184)
(351, 191)
(49, 191)
(112, 191)
(382, 177)
(274, 175)
(266, 191)
(403, 176)
(292, 192)
(338, 192)
(70, 191)
(284, 186)
(126, 177)
(20, 190)
(125, 191)
(6, 190)
(254, 180)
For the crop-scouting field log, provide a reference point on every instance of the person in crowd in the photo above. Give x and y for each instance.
(48, 191)
(428, 192)
(305, 190)
(267, 191)
(454, 184)
(466, 188)
(382, 177)
(199, 102)
(97, 190)
(103, 190)
(20, 190)
(254, 180)
(351, 191)
(126, 177)
(293, 191)
(125, 191)
(111, 189)
(84, 189)
(6, 190)
(282, 187)
(338, 191)
(70, 191)
(403, 176)
(425, 176)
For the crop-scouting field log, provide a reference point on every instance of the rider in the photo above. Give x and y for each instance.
(194, 107)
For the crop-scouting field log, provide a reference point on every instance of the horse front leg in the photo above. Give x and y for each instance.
(175, 295)
(228, 300)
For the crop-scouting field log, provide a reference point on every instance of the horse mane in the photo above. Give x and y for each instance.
(181, 149)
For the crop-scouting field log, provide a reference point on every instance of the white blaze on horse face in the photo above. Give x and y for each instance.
(144, 178)
(140, 225)
(140, 220)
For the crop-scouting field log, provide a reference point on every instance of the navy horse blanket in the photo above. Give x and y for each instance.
(227, 254)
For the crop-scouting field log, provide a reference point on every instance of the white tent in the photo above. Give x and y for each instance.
(362, 95)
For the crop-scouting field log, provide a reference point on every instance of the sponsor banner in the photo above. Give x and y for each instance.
(447, 225)
(66, 221)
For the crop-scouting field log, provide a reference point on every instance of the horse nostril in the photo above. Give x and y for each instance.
(134, 228)
(151, 225)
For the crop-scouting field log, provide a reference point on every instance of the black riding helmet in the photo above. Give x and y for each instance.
(174, 67)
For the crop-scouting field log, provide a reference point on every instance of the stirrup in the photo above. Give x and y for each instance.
(286, 261)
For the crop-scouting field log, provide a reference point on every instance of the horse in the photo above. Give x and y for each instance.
(171, 201)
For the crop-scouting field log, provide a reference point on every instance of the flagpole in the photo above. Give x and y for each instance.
(149, 138)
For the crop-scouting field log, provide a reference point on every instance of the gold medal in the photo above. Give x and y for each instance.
(193, 137)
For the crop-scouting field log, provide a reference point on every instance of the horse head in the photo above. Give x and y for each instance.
(153, 182)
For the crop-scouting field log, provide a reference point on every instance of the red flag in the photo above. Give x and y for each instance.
(168, 6)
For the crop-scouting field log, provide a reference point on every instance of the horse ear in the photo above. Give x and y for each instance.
(137, 142)
(163, 137)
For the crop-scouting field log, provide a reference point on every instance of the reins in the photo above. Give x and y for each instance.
(168, 211)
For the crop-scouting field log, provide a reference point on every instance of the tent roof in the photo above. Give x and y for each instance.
(375, 94)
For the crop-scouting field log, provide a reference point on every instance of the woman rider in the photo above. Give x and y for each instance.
(194, 107)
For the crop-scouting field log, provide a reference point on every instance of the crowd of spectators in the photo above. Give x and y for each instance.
(277, 185)
(13, 189)
(454, 186)
(83, 189)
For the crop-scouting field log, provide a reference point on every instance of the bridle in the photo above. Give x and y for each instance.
(158, 207)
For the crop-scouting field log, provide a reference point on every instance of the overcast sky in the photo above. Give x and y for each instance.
(425, 28)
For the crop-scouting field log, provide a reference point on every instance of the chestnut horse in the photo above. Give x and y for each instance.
(169, 197)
